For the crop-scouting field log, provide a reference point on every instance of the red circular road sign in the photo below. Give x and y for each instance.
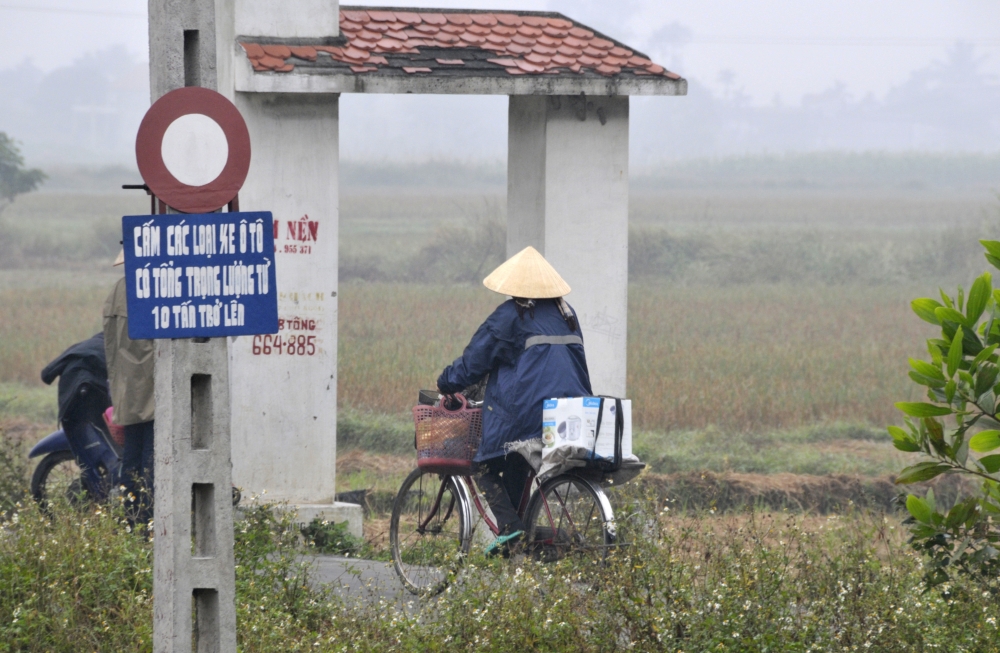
(231, 155)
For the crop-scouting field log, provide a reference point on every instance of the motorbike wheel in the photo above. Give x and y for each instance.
(57, 475)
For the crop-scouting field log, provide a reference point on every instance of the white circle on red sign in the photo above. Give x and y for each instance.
(195, 149)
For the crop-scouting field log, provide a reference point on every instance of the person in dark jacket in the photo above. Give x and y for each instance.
(529, 349)
(83, 382)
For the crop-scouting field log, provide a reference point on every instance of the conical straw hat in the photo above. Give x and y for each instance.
(120, 259)
(527, 274)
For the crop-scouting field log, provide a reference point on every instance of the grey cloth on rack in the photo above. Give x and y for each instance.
(531, 450)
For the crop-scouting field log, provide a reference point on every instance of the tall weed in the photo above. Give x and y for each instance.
(14, 467)
(687, 582)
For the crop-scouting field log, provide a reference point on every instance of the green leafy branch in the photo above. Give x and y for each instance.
(961, 415)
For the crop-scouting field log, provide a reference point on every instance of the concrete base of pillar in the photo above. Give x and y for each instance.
(332, 512)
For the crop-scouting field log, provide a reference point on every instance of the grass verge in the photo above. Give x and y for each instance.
(695, 582)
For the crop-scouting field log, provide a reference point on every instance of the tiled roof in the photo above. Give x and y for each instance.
(414, 42)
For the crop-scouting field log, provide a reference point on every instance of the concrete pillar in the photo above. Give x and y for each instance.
(285, 399)
(190, 44)
(193, 517)
(298, 19)
(194, 585)
(567, 195)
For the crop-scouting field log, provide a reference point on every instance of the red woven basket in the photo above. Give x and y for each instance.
(447, 440)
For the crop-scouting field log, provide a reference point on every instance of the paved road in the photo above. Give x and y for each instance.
(358, 579)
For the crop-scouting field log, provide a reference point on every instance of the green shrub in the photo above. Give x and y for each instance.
(961, 381)
(658, 253)
(331, 537)
(76, 582)
(677, 582)
(460, 254)
(375, 432)
(14, 470)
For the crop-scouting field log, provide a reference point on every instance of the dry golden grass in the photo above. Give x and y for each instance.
(742, 358)
(396, 338)
(770, 357)
(37, 324)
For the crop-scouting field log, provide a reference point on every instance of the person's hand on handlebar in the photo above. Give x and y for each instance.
(448, 400)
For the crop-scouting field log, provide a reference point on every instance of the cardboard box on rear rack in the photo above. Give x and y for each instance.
(569, 429)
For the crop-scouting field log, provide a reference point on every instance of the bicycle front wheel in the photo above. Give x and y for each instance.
(429, 531)
(570, 516)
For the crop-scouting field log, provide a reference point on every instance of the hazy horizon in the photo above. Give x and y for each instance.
(771, 78)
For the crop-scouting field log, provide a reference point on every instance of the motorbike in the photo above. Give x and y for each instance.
(81, 460)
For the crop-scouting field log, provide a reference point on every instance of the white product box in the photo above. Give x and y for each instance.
(570, 422)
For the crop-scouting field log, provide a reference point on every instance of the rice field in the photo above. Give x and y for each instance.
(718, 344)
(738, 358)
(37, 323)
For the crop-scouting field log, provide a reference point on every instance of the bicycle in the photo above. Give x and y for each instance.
(433, 523)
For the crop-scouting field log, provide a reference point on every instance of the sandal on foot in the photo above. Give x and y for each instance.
(502, 541)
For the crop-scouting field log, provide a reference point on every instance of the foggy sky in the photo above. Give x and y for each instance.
(884, 39)
(775, 51)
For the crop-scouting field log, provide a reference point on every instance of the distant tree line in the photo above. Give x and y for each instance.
(88, 112)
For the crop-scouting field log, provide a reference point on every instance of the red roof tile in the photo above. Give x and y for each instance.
(486, 20)
(569, 51)
(279, 51)
(408, 17)
(253, 50)
(305, 52)
(433, 19)
(463, 42)
(354, 16)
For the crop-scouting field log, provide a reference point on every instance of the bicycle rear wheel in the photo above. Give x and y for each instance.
(570, 517)
(429, 531)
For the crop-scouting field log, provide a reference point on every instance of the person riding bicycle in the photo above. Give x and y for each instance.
(529, 349)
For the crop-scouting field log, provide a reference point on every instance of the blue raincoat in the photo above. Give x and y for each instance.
(520, 376)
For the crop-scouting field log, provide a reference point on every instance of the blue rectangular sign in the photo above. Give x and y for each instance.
(200, 275)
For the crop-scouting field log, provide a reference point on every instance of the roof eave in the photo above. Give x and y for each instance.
(305, 81)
